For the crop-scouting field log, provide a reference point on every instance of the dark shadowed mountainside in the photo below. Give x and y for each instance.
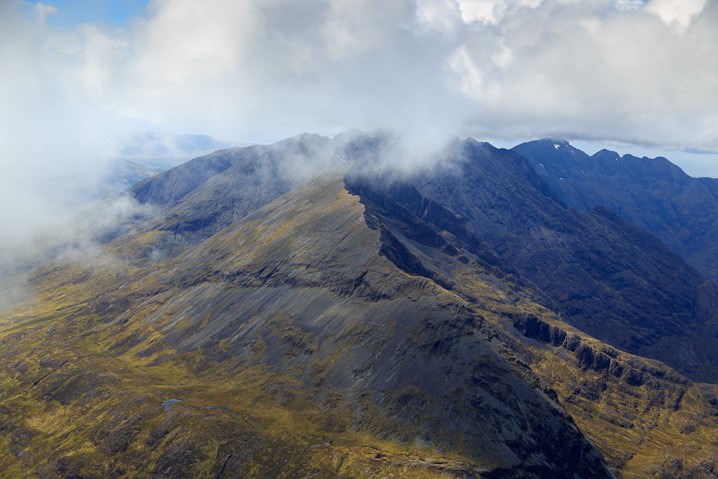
(604, 276)
(653, 194)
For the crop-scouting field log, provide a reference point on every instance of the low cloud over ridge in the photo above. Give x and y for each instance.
(509, 68)
(251, 70)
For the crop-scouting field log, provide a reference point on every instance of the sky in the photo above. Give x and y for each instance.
(71, 13)
(636, 76)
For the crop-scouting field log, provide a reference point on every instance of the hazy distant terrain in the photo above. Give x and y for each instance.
(144, 154)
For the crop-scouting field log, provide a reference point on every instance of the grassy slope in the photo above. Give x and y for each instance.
(82, 395)
(648, 420)
(71, 405)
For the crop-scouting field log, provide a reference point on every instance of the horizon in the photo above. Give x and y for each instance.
(684, 162)
(631, 76)
(695, 161)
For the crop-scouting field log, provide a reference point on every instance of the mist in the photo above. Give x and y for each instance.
(633, 72)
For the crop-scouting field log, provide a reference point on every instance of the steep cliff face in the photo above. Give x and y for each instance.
(653, 194)
(647, 419)
(605, 276)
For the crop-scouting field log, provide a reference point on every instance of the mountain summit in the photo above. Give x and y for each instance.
(653, 194)
(304, 310)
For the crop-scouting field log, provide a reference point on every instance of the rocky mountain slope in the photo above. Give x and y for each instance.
(202, 196)
(653, 194)
(606, 277)
(346, 323)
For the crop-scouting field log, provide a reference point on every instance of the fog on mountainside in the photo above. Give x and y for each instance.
(401, 300)
(323, 295)
(429, 69)
(648, 295)
(94, 210)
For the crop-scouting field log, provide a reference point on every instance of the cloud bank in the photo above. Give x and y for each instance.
(261, 70)
(633, 71)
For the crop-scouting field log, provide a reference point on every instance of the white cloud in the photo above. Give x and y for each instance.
(440, 15)
(581, 70)
(492, 11)
(678, 12)
(262, 70)
(43, 10)
(53, 145)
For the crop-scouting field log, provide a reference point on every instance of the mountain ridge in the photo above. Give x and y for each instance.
(498, 202)
(428, 347)
(351, 322)
(653, 194)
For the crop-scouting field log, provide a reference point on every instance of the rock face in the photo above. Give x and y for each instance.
(349, 322)
(653, 194)
(208, 193)
(311, 282)
(605, 276)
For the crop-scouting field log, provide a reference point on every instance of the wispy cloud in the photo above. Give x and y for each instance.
(43, 10)
(625, 5)
(263, 70)
(252, 70)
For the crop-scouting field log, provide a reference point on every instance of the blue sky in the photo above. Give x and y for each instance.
(73, 12)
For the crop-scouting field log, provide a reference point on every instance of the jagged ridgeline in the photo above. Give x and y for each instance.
(304, 309)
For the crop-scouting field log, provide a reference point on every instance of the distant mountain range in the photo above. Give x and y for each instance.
(168, 148)
(303, 309)
(653, 194)
(143, 154)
